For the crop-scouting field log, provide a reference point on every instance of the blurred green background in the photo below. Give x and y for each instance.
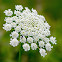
(52, 11)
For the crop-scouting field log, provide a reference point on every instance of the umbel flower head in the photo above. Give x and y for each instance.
(28, 28)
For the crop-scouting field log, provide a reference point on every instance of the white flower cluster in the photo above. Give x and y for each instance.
(29, 28)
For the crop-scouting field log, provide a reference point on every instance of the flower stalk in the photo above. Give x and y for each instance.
(20, 53)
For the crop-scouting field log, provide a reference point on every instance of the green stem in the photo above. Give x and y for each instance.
(20, 53)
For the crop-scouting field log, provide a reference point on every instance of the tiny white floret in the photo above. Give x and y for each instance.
(8, 12)
(26, 47)
(18, 7)
(30, 40)
(14, 42)
(7, 27)
(41, 44)
(22, 39)
(48, 47)
(42, 52)
(34, 46)
(14, 34)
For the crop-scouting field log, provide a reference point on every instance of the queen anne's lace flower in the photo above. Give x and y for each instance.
(29, 28)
